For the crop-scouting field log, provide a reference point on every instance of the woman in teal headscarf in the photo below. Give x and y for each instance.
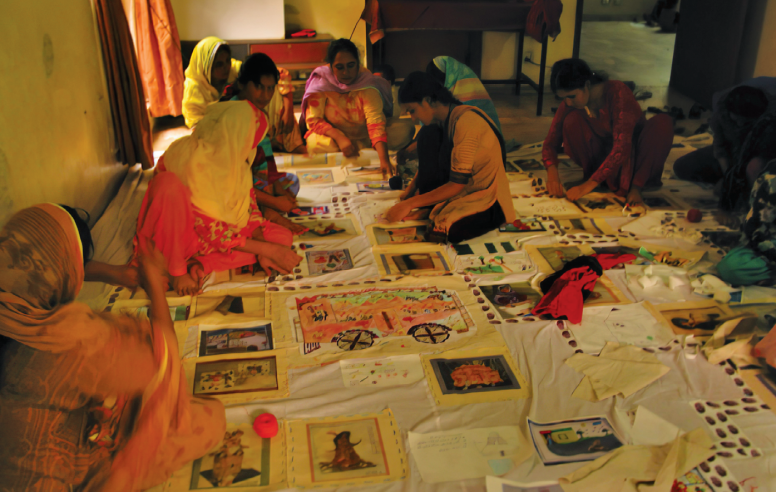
(754, 261)
(463, 83)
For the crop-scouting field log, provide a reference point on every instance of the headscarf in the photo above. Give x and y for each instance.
(466, 86)
(323, 80)
(198, 92)
(214, 162)
(743, 266)
(42, 262)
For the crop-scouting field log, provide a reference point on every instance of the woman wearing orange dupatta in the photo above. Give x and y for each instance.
(88, 400)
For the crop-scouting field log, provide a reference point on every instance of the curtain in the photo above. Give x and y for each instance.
(131, 124)
(159, 56)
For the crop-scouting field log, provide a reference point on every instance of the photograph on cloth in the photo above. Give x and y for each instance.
(319, 228)
(345, 451)
(573, 441)
(543, 205)
(473, 375)
(601, 204)
(430, 263)
(398, 235)
(323, 176)
(428, 314)
(522, 226)
(695, 318)
(320, 262)
(496, 264)
(307, 211)
(552, 258)
(692, 481)
(235, 340)
(460, 377)
(512, 300)
(591, 229)
(373, 186)
(237, 461)
(235, 376)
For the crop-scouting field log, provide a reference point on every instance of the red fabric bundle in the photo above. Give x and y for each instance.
(609, 260)
(565, 296)
(544, 12)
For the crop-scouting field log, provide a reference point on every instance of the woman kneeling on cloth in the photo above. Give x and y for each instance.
(88, 400)
(345, 109)
(200, 209)
(602, 128)
(460, 165)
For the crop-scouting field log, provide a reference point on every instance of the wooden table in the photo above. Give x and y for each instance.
(459, 15)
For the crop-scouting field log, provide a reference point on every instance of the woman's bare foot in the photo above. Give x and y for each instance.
(274, 217)
(279, 258)
(184, 285)
(634, 197)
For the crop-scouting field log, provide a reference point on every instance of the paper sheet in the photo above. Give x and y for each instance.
(632, 324)
(391, 371)
(472, 453)
(574, 440)
(650, 430)
(495, 484)
(620, 369)
(345, 451)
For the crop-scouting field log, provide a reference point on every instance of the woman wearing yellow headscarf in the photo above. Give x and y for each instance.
(202, 202)
(211, 68)
(88, 400)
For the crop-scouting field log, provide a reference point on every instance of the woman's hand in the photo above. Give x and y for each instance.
(284, 204)
(554, 186)
(398, 212)
(578, 192)
(279, 258)
(347, 147)
(387, 169)
(728, 219)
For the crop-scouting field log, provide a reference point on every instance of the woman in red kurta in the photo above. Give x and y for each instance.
(600, 125)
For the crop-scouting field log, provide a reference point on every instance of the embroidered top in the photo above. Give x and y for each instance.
(617, 120)
(358, 114)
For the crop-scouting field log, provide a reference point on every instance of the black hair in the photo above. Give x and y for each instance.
(746, 101)
(255, 67)
(420, 85)
(572, 73)
(338, 45)
(388, 72)
(83, 231)
(435, 72)
(223, 47)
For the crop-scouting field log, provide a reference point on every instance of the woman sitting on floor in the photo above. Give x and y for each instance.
(345, 107)
(200, 209)
(88, 400)
(275, 191)
(460, 165)
(210, 70)
(600, 125)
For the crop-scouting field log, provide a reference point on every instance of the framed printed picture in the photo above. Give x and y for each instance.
(466, 376)
(432, 262)
(345, 451)
(324, 176)
(240, 377)
(573, 441)
(695, 318)
(241, 460)
(307, 211)
(221, 341)
(320, 262)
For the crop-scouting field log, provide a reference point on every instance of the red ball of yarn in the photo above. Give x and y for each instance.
(266, 425)
(694, 215)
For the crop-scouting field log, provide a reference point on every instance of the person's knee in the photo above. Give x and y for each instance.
(662, 126)
(573, 122)
(684, 166)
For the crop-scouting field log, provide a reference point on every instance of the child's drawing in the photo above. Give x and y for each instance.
(319, 262)
(373, 314)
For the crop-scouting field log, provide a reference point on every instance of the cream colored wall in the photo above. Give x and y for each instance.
(55, 124)
(766, 54)
(499, 48)
(336, 18)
